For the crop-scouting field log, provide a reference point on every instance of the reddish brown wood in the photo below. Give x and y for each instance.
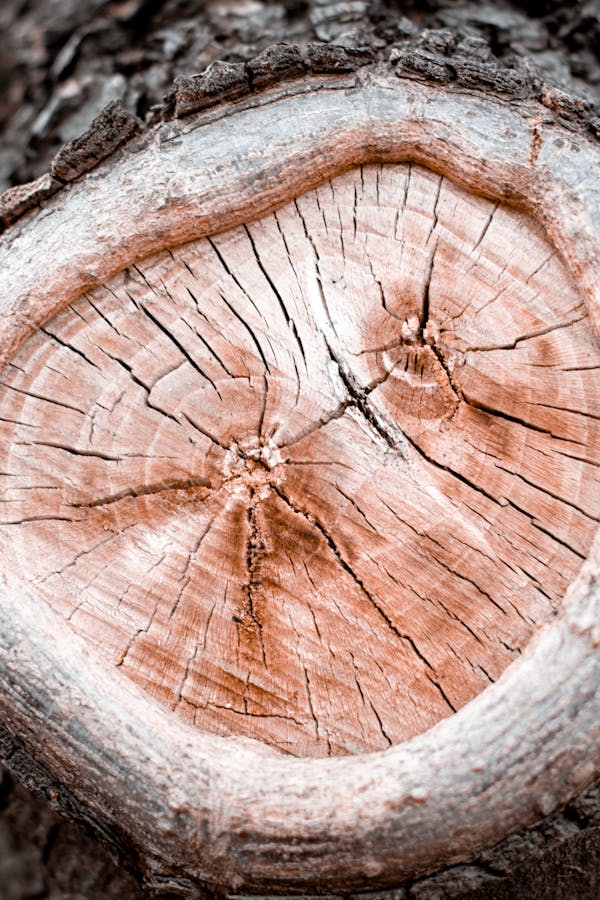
(314, 481)
(387, 386)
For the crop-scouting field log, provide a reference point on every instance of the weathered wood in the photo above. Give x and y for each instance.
(459, 786)
(62, 63)
(327, 471)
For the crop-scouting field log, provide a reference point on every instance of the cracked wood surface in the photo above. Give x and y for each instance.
(315, 480)
(229, 812)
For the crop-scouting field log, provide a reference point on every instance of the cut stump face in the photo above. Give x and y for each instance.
(315, 480)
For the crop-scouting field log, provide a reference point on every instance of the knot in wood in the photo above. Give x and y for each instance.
(420, 382)
(253, 465)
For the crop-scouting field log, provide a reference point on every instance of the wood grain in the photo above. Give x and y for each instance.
(316, 480)
(231, 812)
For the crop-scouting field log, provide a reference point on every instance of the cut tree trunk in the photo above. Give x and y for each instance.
(300, 456)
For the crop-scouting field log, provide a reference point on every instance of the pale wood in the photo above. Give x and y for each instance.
(316, 480)
(489, 412)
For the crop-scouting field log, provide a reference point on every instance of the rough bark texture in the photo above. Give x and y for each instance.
(44, 856)
(130, 53)
(63, 62)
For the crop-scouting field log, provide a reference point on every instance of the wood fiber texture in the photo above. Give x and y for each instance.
(415, 788)
(70, 105)
(327, 471)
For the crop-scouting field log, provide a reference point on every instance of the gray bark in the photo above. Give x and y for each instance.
(63, 62)
(42, 855)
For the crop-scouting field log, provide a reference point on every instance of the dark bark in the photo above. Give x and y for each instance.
(42, 855)
(63, 62)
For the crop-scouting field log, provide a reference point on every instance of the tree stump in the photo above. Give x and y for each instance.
(300, 445)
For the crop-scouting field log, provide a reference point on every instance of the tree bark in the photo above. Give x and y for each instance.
(438, 56)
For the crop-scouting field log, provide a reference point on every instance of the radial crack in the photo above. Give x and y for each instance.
(388, 431)
(318, 526)
(255, 552)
